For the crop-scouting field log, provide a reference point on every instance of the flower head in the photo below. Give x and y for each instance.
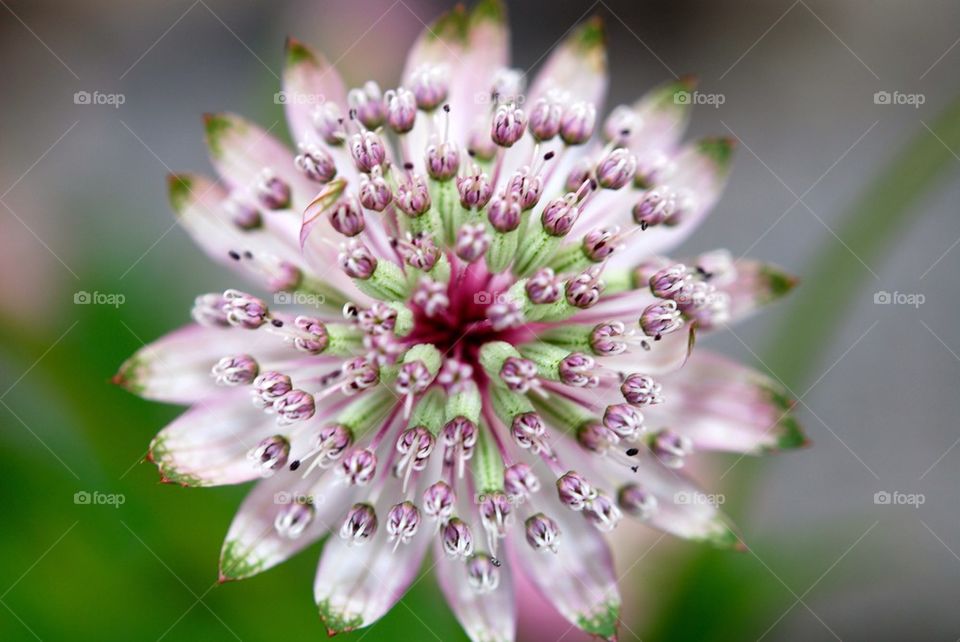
(496, 364)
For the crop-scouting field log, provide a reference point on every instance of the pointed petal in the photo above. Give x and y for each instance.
(669, 354)
(485, 617)
(241, 150)
(253, 544)
(357, 584)
(722, 405)
(577, 66)
(308, 82)
(661, 119)
(487, 51)
(176, 368)
(700, 177)
(579, 579)
(682, 508)
(754, 285)
(208, 444)
(200, 205)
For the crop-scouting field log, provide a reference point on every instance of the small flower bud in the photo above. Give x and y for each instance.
(603, 513)
(651, 169)
(360, 524)
(527, 428)
(268, 388)
(243, 310)
(559, 216)
(584, 290)
(359, 374)
(661, 318)
(482, 573)
(358, 467)
(413, 378)
(431, 296)
(375, 194)
(439, 501)
(542, 533)
(296, 405)
(346, 216)
(475, 190)
(272, 191)
(636, 501)
(416, 444)
(328, 121)
(519, 482)
(518, 374)
(624, 420)
(577, 370)
(640, 390)
(379, 318)
(443, 161)
(403, 522)
(270, 455)
(668, 281)
(545, 118)
(243, 215)
(368, 150)
(596, 438)
(367, 104)
(237, 370)
(671, 448)
(526, 188)
(401, 110)
(419, 251)
(315, 163)
(576, 125)
(599, 244)
(293, 520)
(495, 514)
(580, 174)
(508, 123)
(472, 242)
(357, 260)
(504, 214)
(430, 84)
(654, 207)
(456, 538)
(458, 435)
(574, 491)
(314, 339)
(413, 195)
(505, 314)
(616, 169)
(544, 287)
(606, 339)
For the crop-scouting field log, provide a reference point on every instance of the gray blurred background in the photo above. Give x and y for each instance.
(87, 210)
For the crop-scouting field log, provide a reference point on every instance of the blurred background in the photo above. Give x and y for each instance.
(83, 208)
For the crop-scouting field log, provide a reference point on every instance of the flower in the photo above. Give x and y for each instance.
(499, 377)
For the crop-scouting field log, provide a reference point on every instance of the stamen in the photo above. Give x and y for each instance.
(237, 370)
(641, 390)
(459, 439)
(456, 538)
(270, 455)
(359, 467)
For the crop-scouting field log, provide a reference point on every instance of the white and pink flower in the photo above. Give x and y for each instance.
(500, 359)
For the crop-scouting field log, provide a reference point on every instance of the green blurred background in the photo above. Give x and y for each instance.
(84, 210)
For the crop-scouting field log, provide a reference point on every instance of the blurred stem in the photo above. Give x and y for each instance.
(721, 596)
